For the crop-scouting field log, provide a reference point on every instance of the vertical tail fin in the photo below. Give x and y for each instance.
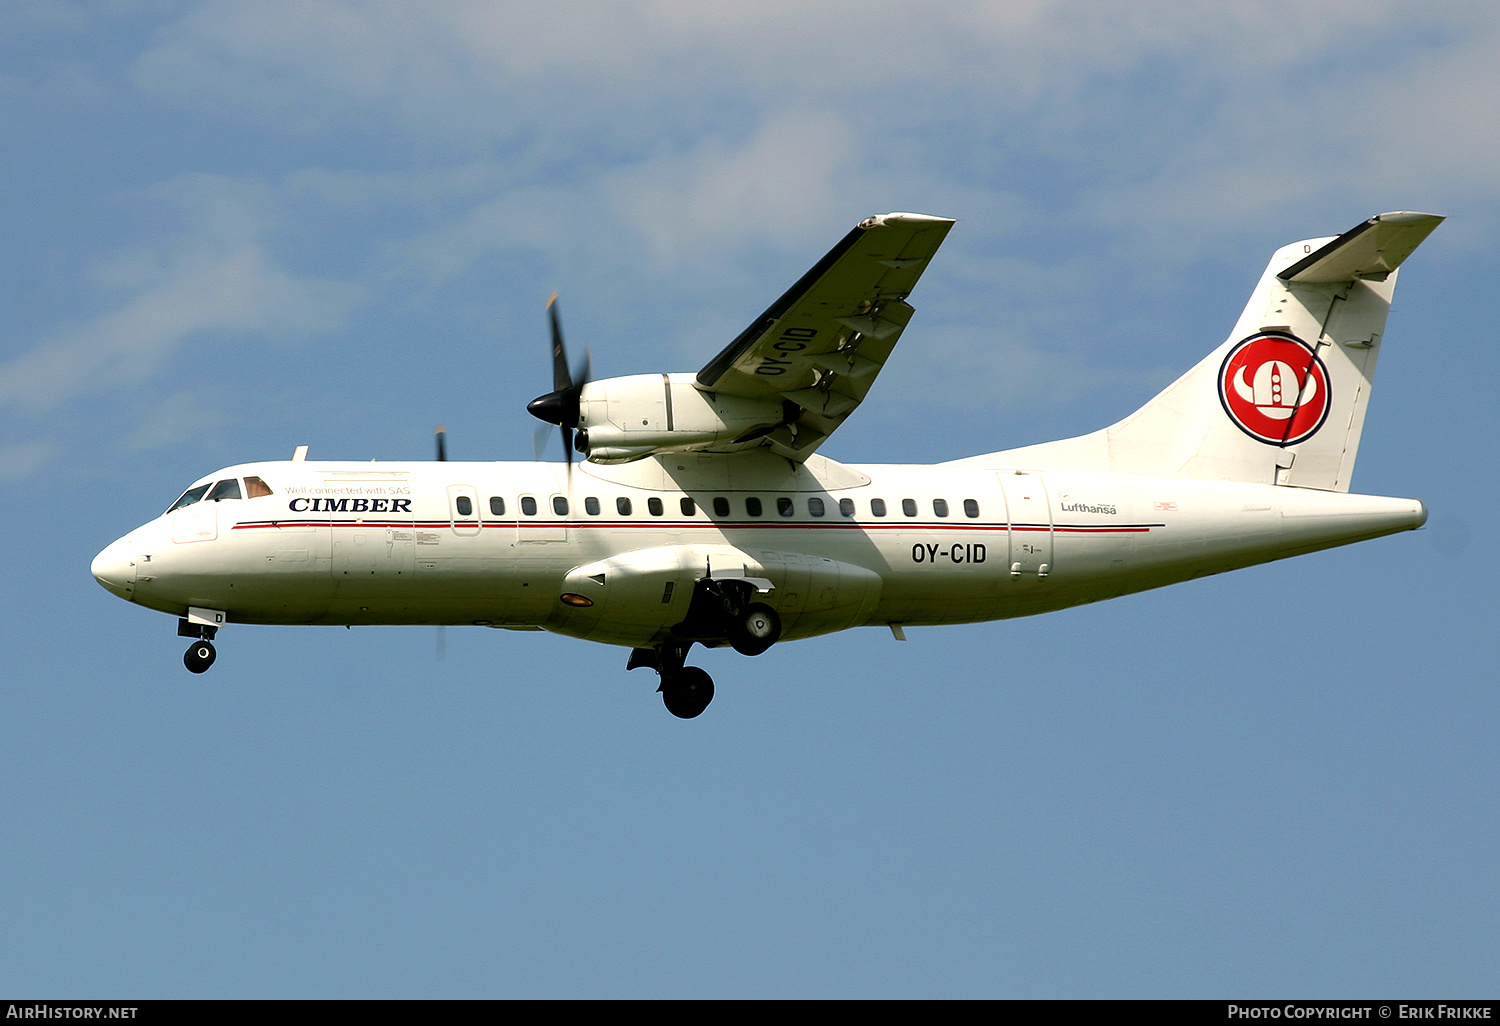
(1283, 400)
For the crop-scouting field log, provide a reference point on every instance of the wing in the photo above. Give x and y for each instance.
(819, 347)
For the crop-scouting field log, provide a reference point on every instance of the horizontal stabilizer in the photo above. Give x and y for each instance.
(1368, 252)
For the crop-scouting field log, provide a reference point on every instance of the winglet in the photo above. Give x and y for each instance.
(1370, 251)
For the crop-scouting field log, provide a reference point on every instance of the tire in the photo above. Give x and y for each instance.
(687, 692)
(755, 630)
(199, 656)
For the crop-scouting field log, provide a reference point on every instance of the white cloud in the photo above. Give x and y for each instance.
(20, 461)
(435, 67)
(216, 278)
(680, 210)
(1166, 106)
(1436, 122)
(48, 15)
(697, 139)
(513, 218)
(180, 417)
(768, 189)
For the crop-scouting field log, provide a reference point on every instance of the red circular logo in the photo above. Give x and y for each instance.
(1275, 388)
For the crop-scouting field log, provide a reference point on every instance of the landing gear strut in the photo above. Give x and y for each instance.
(685, 690)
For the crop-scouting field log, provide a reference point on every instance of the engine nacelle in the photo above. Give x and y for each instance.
(629, 418)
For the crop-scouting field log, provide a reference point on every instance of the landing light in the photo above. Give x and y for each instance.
(576, 600)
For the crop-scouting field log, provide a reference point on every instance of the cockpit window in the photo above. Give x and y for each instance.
(229, 488)
(189, 497)
(255, 488)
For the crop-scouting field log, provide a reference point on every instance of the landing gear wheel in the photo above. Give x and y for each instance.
(755, 630)
(687, 692)
(200, 656)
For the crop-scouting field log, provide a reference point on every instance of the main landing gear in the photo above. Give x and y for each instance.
(200, 654)
(721, 610)
(685, 690)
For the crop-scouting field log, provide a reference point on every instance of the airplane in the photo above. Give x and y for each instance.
(703, 513)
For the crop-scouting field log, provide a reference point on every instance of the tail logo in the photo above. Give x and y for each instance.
(1275, 389)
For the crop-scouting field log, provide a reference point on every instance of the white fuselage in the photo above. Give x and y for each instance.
(830, 546)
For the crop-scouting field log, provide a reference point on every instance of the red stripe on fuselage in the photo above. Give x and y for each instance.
(678, 525)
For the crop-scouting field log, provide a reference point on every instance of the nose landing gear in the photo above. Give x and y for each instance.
(200, 654)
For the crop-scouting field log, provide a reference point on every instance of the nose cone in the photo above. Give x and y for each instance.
(560, 407)
(114, 568)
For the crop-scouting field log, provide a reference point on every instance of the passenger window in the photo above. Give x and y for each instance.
(497, 506)
(971, 508)
(815, 506)
(687, 506)
(784, 506)
(846, 507)
(464, 505)
(752, 506)
(721, 506)
(909, 507)
(940, 507)
(189, 497)
(255, 488)
(229, 489)
(560, 505)
(622, 506)
(591, 506)
(653, 504)
(877, 507)
(528, 505)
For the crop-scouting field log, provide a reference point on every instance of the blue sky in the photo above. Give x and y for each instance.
(234, 227)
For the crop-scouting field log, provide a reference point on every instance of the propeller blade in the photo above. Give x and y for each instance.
(561, 405)
(561, 380)
(442, 443)
(585, 372)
